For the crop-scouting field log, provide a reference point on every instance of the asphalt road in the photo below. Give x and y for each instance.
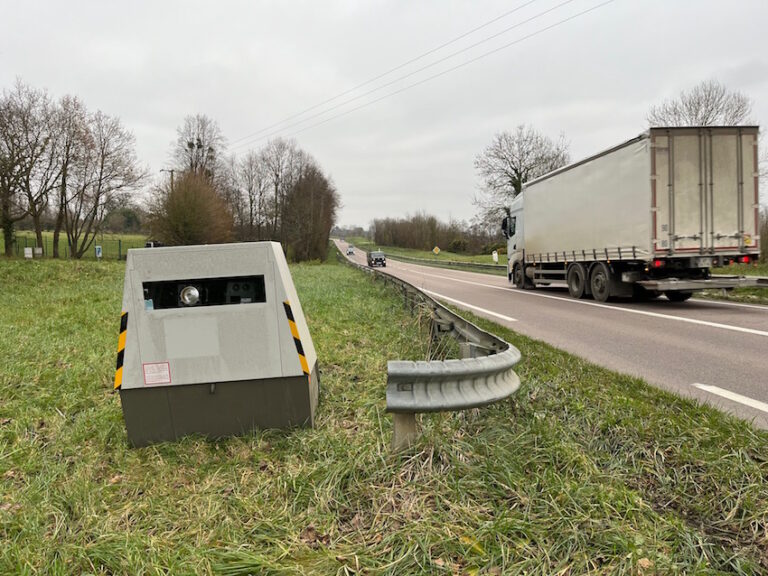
(716, 352)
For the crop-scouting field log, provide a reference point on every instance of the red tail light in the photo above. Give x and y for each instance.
(658, 263)
(744, 259)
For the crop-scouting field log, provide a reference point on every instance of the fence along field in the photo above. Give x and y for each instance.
(113, 246)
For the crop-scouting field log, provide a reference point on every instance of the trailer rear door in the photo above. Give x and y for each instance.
(705, 190)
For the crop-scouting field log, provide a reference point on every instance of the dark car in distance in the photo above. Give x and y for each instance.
(377, 258)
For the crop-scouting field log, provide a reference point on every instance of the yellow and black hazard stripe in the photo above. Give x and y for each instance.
(121, 350)
(296, 338)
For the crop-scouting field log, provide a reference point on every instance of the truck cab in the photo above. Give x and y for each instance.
(512, 228)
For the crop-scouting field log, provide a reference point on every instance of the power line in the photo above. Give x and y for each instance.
(452, 55)
(444, 72)
(388, 72)
(404, 76)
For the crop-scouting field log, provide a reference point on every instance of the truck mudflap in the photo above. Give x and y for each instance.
(713, 283)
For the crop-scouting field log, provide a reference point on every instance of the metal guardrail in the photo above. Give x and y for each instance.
(716, 282)
(746, 281)
(485, 373)
(501, 269)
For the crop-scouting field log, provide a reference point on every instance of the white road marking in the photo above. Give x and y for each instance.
(470, 306)
(737, 304)
(607, 307)
(746, 400)
(761, 307)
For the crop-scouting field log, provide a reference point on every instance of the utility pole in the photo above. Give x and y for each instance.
(171, 170)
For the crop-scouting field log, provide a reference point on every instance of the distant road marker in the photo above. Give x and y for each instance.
(470, 306)
(746, 400)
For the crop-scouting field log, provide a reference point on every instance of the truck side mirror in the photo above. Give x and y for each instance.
(504, 227)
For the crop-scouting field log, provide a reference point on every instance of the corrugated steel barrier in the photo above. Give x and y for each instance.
(485, 373)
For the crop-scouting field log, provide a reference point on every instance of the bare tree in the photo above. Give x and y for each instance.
(27, 157)
(709, 103)
(252, 175)
(190, 213)
(105, 166)
(511, 160)
(311, 206)
(40, 167)
(12, 148)
(72, 121)
(282, 161)
(227, 184)
(200, 146)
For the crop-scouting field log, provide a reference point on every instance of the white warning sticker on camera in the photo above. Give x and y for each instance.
(157, 373)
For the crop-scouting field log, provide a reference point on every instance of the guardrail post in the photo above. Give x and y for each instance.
(404, 430)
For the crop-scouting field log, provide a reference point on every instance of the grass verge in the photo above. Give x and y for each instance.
(748, 295)
(582, 471)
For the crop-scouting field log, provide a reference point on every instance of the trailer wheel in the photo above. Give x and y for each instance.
(678, 296)
(600, 282)
(577, 280)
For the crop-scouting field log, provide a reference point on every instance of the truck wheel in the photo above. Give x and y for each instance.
(678, 296)
(577, 280)
(518, 276)
(600, 282)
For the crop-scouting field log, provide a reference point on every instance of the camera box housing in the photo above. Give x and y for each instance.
(213, 341)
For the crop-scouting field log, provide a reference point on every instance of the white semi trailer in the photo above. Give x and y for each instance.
(649, 216)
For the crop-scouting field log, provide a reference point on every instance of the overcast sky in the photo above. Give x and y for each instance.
(250, 64)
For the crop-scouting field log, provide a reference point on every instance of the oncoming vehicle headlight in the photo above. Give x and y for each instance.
(189, 296)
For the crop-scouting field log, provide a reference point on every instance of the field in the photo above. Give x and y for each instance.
(583, 471)
(442, 257)
(113, 245)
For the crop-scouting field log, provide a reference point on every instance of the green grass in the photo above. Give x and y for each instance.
(583, 471)
(757, 269)
(748, 295)
(112, 245)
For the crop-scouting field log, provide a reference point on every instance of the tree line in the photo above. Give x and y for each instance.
(424, 232)
(75, 171)
(278, 192)
(58, 158)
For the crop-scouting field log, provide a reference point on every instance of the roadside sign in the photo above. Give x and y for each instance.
(28, 253)
(495, 256)
(436, 250)
(98, 252)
